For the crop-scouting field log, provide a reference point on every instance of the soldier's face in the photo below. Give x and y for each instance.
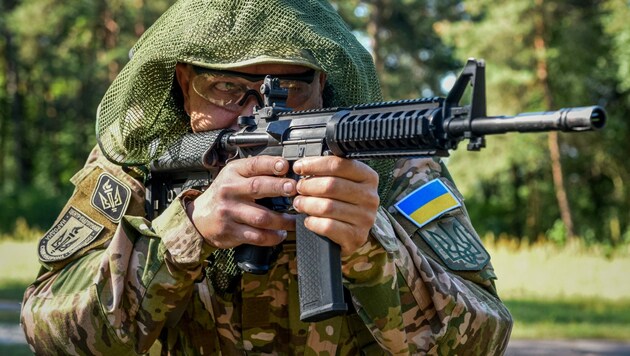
(214, 100)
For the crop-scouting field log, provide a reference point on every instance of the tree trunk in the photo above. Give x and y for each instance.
(553, 142)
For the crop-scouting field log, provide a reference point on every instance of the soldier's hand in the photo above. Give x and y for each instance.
(341, 198)
(227, 215)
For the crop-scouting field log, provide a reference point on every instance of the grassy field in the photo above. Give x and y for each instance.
(19, 268)
(564, 292)
(552, 292)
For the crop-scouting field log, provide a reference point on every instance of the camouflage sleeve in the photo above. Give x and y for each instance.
(416, 293)
(115, 295)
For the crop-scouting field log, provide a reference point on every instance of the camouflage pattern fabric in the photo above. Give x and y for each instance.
(141, 288)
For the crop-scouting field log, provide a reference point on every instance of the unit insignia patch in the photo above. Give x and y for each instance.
(110, 197)
(74, 231)
(457, 247)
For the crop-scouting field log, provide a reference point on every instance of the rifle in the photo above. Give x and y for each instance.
(383, 130)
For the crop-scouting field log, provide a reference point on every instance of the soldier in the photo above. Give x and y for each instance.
(114, 281)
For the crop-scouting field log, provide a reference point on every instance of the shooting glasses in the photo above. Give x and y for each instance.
(231, 90)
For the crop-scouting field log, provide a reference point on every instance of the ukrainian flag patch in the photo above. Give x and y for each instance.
(427, 203)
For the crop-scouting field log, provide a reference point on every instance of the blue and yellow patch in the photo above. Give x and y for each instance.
(427, 203)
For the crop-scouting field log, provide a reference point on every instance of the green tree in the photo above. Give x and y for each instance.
(58, 60)
(613, 158)
(410, 57)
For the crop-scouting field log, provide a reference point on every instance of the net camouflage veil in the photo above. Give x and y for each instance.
(142, 112)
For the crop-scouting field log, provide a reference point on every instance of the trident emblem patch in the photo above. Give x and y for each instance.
(74, 231)
(111, 197)
(457, 246)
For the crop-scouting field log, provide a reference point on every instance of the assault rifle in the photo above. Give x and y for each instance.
(384, 130)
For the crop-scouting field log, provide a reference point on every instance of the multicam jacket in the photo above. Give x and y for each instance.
(114, 284)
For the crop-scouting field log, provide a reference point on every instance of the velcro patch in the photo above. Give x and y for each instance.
(427, 203)
(111, 197)
(459, 248)
(74, 231)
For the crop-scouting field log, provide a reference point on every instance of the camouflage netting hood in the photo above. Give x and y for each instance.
(143, 105)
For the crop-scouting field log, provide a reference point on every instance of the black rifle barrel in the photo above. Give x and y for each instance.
(570, 119)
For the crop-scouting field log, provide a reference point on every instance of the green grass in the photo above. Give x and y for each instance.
(570, 319)
(9, 317)
(15, 350)
(12, 290)
(564, 292)
(19, 267)
(547, 271)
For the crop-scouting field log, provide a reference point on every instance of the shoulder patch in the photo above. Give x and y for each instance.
(428, 203)
(74, 231)
(458, 247)
(111, 197)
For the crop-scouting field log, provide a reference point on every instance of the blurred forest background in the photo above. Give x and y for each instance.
(553, 209)
(58, 58)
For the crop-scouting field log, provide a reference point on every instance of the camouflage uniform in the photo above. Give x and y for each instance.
(141, 285)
